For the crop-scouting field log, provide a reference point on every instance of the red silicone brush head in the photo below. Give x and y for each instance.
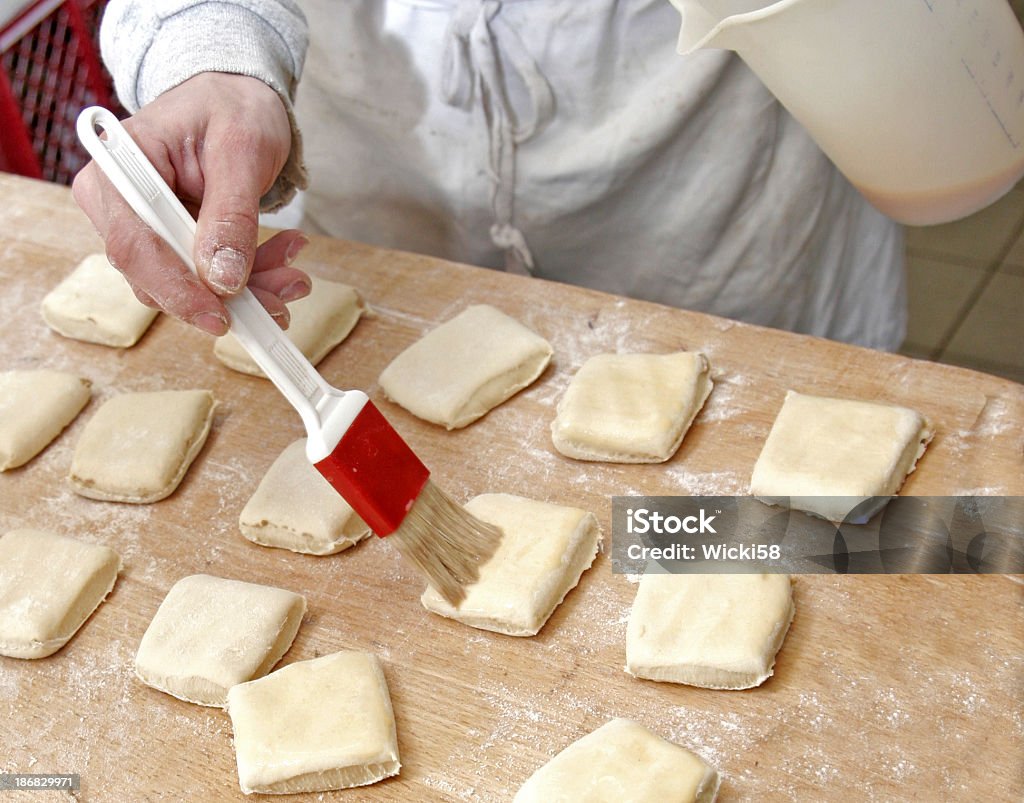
(375, 471)
(387, 485)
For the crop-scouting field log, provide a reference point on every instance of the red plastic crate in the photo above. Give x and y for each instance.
(49, 70)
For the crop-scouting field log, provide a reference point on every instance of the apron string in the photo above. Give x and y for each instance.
(475, 40)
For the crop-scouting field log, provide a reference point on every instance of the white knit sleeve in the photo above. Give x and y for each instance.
(151, 46)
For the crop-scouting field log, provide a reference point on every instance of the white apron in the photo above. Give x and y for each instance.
(569, 140)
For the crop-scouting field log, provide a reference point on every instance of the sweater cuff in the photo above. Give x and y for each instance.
(229, 39)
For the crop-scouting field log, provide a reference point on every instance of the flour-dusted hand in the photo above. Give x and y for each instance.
(219, 140)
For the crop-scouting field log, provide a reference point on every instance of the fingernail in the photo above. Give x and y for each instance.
(300, 288)
(227, 270)
(293, 250)
(283, 318)
(211, 322)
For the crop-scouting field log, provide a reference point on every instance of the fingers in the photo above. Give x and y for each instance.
(153, 270)
(280, 249)
(272, 269)
(160, 280)
(273, 281)
(273, 305)
(158, 276)
(219, 140)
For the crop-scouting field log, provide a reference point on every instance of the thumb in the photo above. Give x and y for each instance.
(228, 224)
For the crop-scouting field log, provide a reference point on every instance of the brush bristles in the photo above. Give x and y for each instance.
(445, 542)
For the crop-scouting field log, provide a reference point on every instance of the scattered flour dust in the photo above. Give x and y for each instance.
(996, 419)
(725, 401)
(599, 623)
(715, 737)
(234, 480)
(114, 524)
(708, 483)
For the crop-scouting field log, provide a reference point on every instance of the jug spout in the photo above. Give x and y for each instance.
(698, 25)
(710, 23)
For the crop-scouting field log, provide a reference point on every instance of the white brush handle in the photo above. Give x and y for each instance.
(148, 194)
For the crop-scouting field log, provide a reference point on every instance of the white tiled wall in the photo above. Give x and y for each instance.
(967, 290)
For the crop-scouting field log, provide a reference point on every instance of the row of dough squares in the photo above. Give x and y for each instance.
(617, 407)
(821, 455)
(138, 446)
(328, 723)
(95, 304)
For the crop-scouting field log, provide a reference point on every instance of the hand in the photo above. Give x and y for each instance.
(219, 140)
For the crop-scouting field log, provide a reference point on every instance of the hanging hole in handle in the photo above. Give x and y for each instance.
(101, 132)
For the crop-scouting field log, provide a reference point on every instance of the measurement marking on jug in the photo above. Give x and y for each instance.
(988, 102)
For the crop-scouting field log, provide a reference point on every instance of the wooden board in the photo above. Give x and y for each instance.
(887, 688)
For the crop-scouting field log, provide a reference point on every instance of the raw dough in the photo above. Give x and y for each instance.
(49, 586)
(465, 367)
(717, 631)
(138, 446)
(210, 633)
(34, 407)
(631, 408)
(544, 550)
(829, 456)
(295, 508)
(315, 725)
(319, 322)
(622, 761)
(95, 304)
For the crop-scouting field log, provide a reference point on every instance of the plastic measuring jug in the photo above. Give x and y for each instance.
(920, 103)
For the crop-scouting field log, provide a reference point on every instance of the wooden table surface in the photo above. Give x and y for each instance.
(887, 687)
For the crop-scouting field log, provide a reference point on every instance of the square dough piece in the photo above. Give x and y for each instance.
(319, 322)
(96, 304)
(619, 761)
(828, 456)
(544, 551)
(315, 725)
(210, 633)
(49, 586)
(138, 446)
(35, 406)
(465, 367)
(295, 508)
(717, 631)
(631, 408)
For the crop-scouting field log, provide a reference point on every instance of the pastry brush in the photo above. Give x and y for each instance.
(348, 439)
